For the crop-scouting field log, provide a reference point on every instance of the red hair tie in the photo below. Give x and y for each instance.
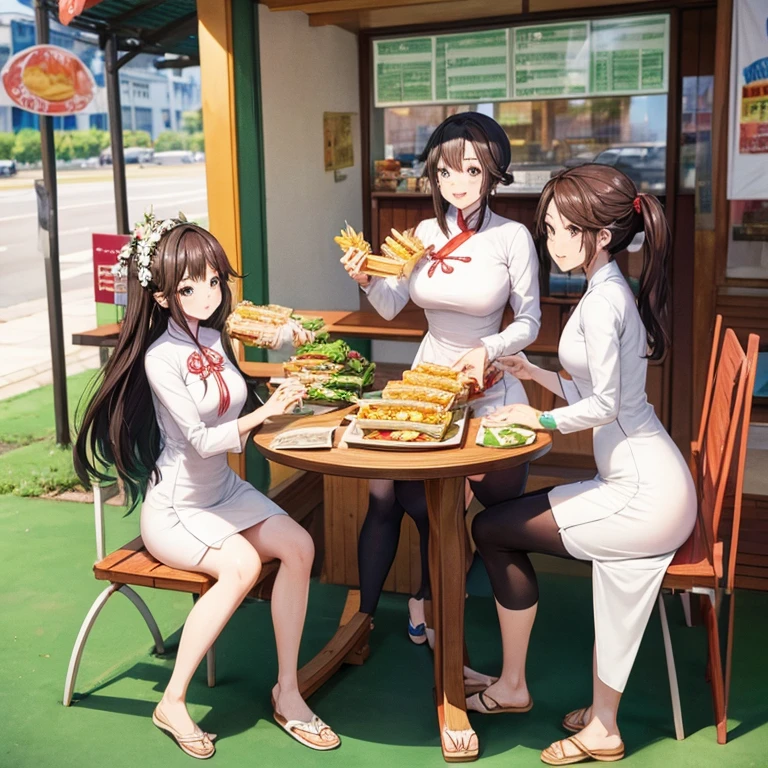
(636, 204)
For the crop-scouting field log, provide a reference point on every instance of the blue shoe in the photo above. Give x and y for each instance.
(417, 634)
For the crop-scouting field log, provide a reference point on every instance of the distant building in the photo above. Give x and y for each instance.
(152, 99)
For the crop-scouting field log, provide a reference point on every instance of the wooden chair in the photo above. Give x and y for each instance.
(698, 565)
(132, 565)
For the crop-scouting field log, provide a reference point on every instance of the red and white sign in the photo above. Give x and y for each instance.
(48, 80)
(68, 9)
(108, 288)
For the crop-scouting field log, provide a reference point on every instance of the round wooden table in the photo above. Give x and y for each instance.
(443, 471)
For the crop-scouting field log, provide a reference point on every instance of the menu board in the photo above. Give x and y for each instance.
(630, 55)
(472, 67)
(551, 60)
(619, 56)
(404, 71)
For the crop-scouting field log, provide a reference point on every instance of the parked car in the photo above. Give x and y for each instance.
(133, 156)
(174, 156)
(645, 164)
(7, 167)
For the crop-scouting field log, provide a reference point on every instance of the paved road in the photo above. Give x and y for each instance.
(85, 206)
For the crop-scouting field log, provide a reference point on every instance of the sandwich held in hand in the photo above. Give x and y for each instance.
(474, 366)
(270, 325)
(400, 252)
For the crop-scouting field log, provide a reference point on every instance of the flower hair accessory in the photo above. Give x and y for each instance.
(143, 244)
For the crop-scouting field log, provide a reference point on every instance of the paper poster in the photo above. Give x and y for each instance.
(107, 288)
(551, 60)
(748, 148)
(621, 56)
(403, 71)
(472, 66)
(337, 136)
(48, 80)
(630, 55)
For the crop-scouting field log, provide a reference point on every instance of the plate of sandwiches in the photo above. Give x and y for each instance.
(425, 410)
(400, 252)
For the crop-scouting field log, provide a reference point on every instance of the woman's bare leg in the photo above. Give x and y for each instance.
(235, 566)
(279, 537)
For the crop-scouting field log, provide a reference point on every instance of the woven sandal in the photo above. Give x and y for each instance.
(554, 754)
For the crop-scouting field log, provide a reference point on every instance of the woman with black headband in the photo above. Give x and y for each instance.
(479, 262)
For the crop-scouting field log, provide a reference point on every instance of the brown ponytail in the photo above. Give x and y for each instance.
(654, 288)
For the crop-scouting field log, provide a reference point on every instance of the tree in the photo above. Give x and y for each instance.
(195, 142)
(192, 122)
(136, 139)
(26, 147)
(7, 140)
(87, 144)
(168, 141)
(62, 142)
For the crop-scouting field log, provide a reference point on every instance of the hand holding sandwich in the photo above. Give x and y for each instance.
(353, 261)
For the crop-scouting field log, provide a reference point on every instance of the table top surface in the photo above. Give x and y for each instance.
(405, 464)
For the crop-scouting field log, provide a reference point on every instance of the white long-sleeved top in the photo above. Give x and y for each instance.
(464, 308)
(198, 501)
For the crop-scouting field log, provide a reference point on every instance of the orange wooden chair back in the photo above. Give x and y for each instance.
(719, 436)
(705, 406)
(735, 487)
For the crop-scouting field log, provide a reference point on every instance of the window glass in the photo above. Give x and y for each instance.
(628, 132)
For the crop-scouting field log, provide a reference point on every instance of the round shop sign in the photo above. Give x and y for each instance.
(48, 80)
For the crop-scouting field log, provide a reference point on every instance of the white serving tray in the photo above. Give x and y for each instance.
(353, 437)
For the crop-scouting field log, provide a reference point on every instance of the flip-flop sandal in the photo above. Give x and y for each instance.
(198, 744)
(481, 702)
(550, 755)
(310, 733)
(575, 721)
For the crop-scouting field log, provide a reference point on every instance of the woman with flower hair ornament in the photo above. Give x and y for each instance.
(628, 520)
(170, 404)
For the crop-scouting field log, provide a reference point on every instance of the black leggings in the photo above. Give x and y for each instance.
(380, 533)
(504, 534)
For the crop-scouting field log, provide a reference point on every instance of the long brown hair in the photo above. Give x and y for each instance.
(119, 428)
(447, 144)
(596, 197)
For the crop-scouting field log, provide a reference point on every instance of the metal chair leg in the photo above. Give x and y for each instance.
(674, 691)
(82, 637)
(148, 617)
(685, 599)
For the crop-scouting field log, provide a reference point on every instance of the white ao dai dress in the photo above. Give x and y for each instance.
(641, 506)
(464, 298)
(199, 500)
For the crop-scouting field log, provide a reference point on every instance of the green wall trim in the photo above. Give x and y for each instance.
(252, 185)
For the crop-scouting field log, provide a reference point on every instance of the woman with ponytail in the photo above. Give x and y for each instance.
(170, 405)
(641, 506)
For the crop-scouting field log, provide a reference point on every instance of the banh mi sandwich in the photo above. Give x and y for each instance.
(391, 415)
(401, 390)
(433, 369)
(399, 436)
(252, 332)
(419, 379)
(272, 314)
(400, 252)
